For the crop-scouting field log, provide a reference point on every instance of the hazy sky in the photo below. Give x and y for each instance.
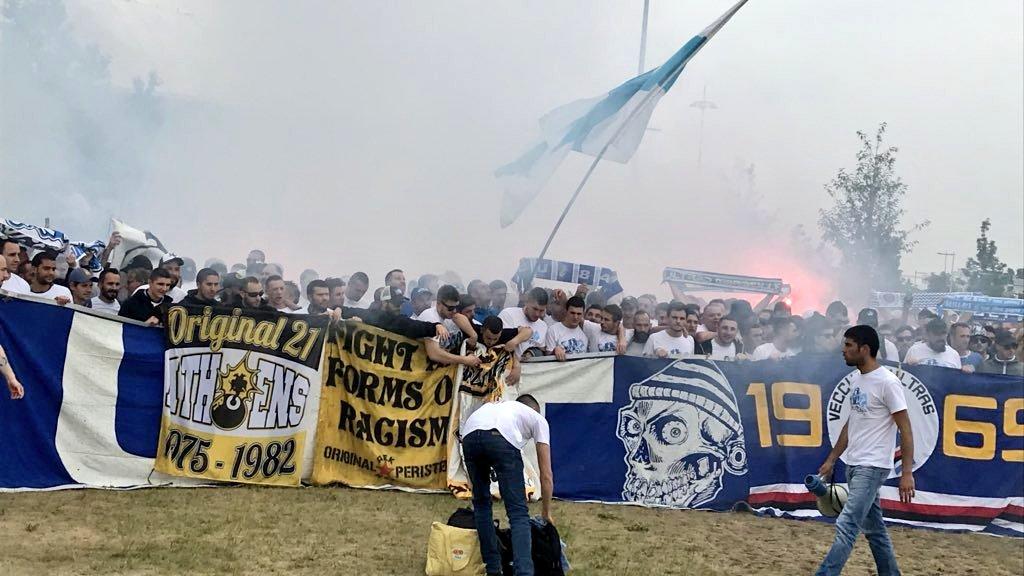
(364, 135)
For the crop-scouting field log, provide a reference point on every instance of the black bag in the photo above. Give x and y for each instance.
(463, 518)
(545, 548)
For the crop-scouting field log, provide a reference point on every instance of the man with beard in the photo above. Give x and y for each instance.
(45, 265)
(640, 333)
(934, 351)
(607, 335)
(251, 297)
(207, 287)
(319, 296)
(673, 340)
(878, 409)
(336, 287)
(531, 316)
(110, 286)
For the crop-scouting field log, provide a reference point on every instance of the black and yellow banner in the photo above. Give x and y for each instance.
(384, 411)
(239, 387)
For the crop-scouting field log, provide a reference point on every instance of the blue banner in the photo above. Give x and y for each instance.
(700, 434)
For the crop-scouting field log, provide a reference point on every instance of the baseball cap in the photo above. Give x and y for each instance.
(868, 316)
(80, 276)
(171, 257)
(140, 261)
(393, 295)
(1005, 339)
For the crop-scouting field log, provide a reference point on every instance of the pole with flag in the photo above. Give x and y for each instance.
(606, 127)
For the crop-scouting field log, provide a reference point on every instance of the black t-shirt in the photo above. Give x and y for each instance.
(507, 334)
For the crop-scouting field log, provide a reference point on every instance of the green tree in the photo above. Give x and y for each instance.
(984, 272)
(864, 223)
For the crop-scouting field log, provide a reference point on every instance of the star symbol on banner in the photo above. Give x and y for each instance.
(384, 470)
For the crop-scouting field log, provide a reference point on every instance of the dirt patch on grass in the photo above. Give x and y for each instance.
(247, 530)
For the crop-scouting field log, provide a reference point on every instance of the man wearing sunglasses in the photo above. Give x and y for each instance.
(252, 295)
(904, 338)
(445, 312)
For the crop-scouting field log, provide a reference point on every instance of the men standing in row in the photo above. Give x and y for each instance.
(673, 340)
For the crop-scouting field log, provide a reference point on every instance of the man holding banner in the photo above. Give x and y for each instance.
(878, 409)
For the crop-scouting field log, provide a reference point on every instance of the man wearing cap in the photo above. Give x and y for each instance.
(934, 351)
(80, 282)
(110, 286)
(878, 410)
(1005, 360)
(888, 350)
(172, 264)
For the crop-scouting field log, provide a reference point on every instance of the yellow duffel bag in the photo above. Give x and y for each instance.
(453, 551)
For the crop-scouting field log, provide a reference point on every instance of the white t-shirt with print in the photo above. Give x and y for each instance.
(719, 352)
(871, 430)
(515, 318)
(573, 340)
(16, 285)
(922, 353)
(680, 346)
(454, 340)
(53, 293)
(597, 339)
(768, 351)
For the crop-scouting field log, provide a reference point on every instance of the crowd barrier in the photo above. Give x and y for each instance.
(684, 433)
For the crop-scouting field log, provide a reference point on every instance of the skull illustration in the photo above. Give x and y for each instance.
(682, 433)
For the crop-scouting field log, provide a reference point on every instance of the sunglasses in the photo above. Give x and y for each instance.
(254, 294)
(981, 339)
(451, 307)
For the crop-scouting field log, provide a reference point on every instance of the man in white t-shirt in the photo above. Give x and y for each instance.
(45, 265)
(878, 409)
(724, 345)
(673, 340)
(110, 285)
(782, 344)
(934, 351)
(566, 338)
(11, 253)
(444, 312)
(608, 335)
(356, 289)
(531, 315)
(493, 439)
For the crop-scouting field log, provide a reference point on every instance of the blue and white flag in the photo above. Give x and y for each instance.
(608, 126)
(31, 236)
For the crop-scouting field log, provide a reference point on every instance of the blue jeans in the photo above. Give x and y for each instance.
(486, 450)
(862, 513)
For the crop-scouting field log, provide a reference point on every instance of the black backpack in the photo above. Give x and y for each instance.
(462, 518)
(545, 547)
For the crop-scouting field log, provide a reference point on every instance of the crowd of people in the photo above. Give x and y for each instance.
(533, 322)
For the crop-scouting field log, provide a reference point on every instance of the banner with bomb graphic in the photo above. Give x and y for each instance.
(241, 392)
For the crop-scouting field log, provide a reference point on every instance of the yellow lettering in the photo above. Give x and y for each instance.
(811, 414)
(764, 427)
(1011, 427)
(952, 426)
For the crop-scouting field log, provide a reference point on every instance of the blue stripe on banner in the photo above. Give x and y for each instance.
(140, 391)
(28, 454)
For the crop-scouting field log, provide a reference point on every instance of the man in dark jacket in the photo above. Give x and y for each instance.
(724, 346)
(150, 305)
(207, 287)
(1005, 360)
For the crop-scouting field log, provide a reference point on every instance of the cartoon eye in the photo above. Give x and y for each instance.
(631, 426)
(671, 430)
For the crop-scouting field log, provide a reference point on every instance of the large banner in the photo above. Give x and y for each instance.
(384, 414)
(91, 411)
(699, 434)
(240, 394)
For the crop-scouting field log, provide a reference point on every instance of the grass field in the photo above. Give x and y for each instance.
(245, 530)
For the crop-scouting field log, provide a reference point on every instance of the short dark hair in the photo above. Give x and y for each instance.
(493, 324)
(780, 321)
(936, 326)
(955, 325)
(5, 241)
(498, 285)
(387, 277)
(333, 283)
(575, 302)
(863, 335)
(904, 328)
(538, 295)
(615, 312)
(250, 280)
(273, 278)
(204, 273)
(156, 273)
(108, 271)
(676, 306)
(40, 257)
(730, 318)
(465, 301)
(447, 293)
(660, 306)
(316, 284)
(529, 401)
(360, 277)
(838, 307)
(692, 309)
